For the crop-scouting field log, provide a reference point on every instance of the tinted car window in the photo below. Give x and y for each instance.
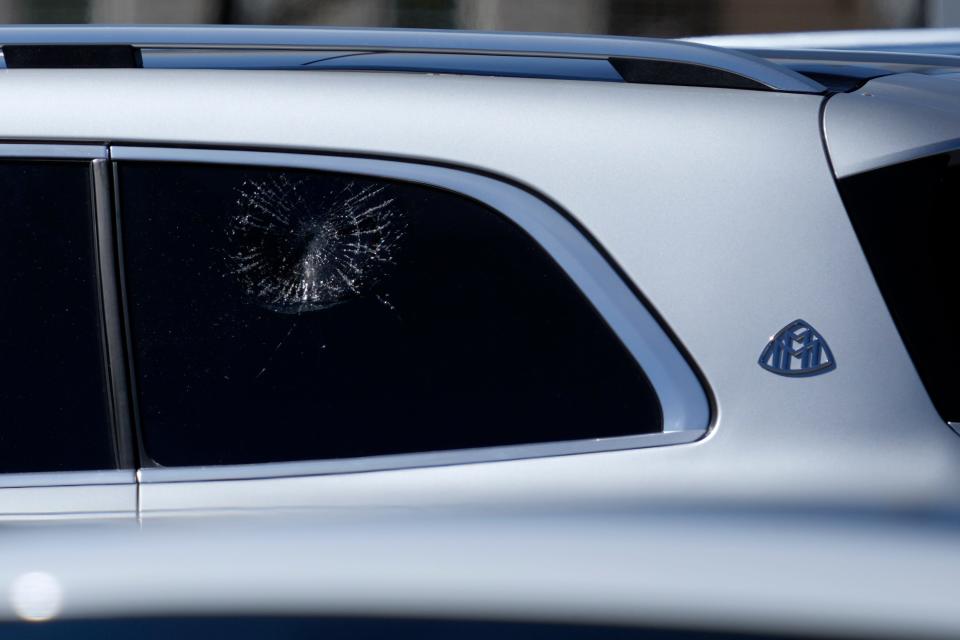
(905, 217)
(53, 412)
(285, 315)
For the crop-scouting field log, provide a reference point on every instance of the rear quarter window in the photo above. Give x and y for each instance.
(907, 222)
(289, 315)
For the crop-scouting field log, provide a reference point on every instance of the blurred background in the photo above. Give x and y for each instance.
(622, 17)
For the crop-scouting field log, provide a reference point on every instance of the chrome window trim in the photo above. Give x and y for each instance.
(297, 468)
(53, 151)
(66, 478)
(683, 400)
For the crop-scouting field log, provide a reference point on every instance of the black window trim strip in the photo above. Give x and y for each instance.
(113, 316)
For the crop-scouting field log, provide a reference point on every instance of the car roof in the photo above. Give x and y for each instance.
(931, 41)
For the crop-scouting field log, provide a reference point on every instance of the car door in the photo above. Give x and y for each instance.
(63, 437)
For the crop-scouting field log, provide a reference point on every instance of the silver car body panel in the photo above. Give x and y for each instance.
(891, 120)
(719, 205)
(768, 572)
(68, 494)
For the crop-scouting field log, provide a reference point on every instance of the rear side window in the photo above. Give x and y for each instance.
(53, 411)
(288, 315)
(907, 221)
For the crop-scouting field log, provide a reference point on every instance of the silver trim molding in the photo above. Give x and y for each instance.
(66, 478)
(42, 151)
(684, 403)
(413, 460)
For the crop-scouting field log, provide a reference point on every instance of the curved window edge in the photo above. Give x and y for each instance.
(684, 402)
(396, 462)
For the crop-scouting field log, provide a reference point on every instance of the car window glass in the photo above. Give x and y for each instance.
(53, 411)
(288, 315)
(905, 219)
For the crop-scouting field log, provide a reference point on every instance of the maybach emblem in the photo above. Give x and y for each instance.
(797, 350)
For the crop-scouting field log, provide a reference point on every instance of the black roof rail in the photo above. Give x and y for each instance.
(60, 56)
(637, 59)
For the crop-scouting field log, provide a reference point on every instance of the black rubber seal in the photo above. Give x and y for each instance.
(640, 71)
(49, 56)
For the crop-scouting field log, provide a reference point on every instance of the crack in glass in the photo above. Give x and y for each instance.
(293, 251)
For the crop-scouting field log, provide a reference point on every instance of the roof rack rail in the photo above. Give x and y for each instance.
(638, 59)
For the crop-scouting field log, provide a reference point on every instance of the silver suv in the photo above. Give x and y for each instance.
(263, 267)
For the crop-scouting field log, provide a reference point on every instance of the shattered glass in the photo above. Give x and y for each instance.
(294, 253)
